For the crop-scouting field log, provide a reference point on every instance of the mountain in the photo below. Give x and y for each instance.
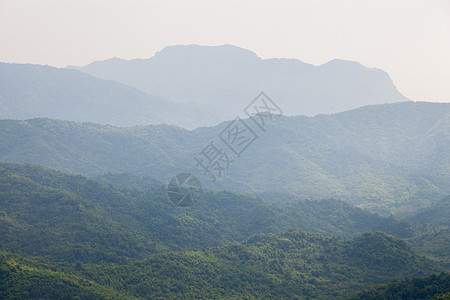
(67, 218)
(129, 181)
(289, 265)
(226, 78)
(66, 236)
(434, 244)
(207, 84)
(434, 221)
(436, 215)
(30, 91)
(385, 158)
(26, 279)
(435, 287)
(75, 237)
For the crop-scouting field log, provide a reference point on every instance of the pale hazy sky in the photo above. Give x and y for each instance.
(409, 39)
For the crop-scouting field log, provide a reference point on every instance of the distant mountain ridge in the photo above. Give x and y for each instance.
(30, 91)
(188, 86)
(228, 78)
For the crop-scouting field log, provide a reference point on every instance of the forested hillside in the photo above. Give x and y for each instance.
(24, 279)
(77, 236)
(293, 264)
(436, 215)
(47, 213)
(387, 158)
(434, 223)
(435, 287)
(119, 237)
(434, 244)
(297, 170)
(280, 266)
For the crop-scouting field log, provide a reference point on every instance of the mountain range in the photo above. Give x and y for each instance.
(30, 91)
(63, 236)
(386, 158)
(63, 217)
(226, 78)
(188, 86)
(341, 193)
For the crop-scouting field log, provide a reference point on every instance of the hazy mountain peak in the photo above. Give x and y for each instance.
(341, 65)
(226, 51)
(342, 62)
(210, 84)
(226, 78)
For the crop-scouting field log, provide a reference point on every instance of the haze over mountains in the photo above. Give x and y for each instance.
(296, 215)
(30, 91)
(387, 158)
(228, 78)
(188, 86)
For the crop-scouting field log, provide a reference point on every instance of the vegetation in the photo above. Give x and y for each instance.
(24, 279)
(388, 158)
(433, 225)
(293, 264)
(430, 287)
(46, 213)
(281, 235)
(76, 237)
(434, 216)
(129, 181)
(434, 244)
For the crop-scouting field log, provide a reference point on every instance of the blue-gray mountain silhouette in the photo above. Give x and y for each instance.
(30, 91)
(226, 78)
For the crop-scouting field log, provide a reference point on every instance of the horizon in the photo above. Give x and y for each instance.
(407, 39)
(74, 67)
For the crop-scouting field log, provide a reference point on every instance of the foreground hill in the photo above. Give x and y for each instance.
(59, 217)
(73, 237)
(226, 78)
(290, 265)
(284, 266)
(387, 158)
(31, 91)
(24, 279)
(435, 287)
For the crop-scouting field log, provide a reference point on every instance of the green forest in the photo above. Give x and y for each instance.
(388, 159)
(67, 236)
(435, 287)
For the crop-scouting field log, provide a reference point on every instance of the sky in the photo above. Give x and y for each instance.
(408, 39)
